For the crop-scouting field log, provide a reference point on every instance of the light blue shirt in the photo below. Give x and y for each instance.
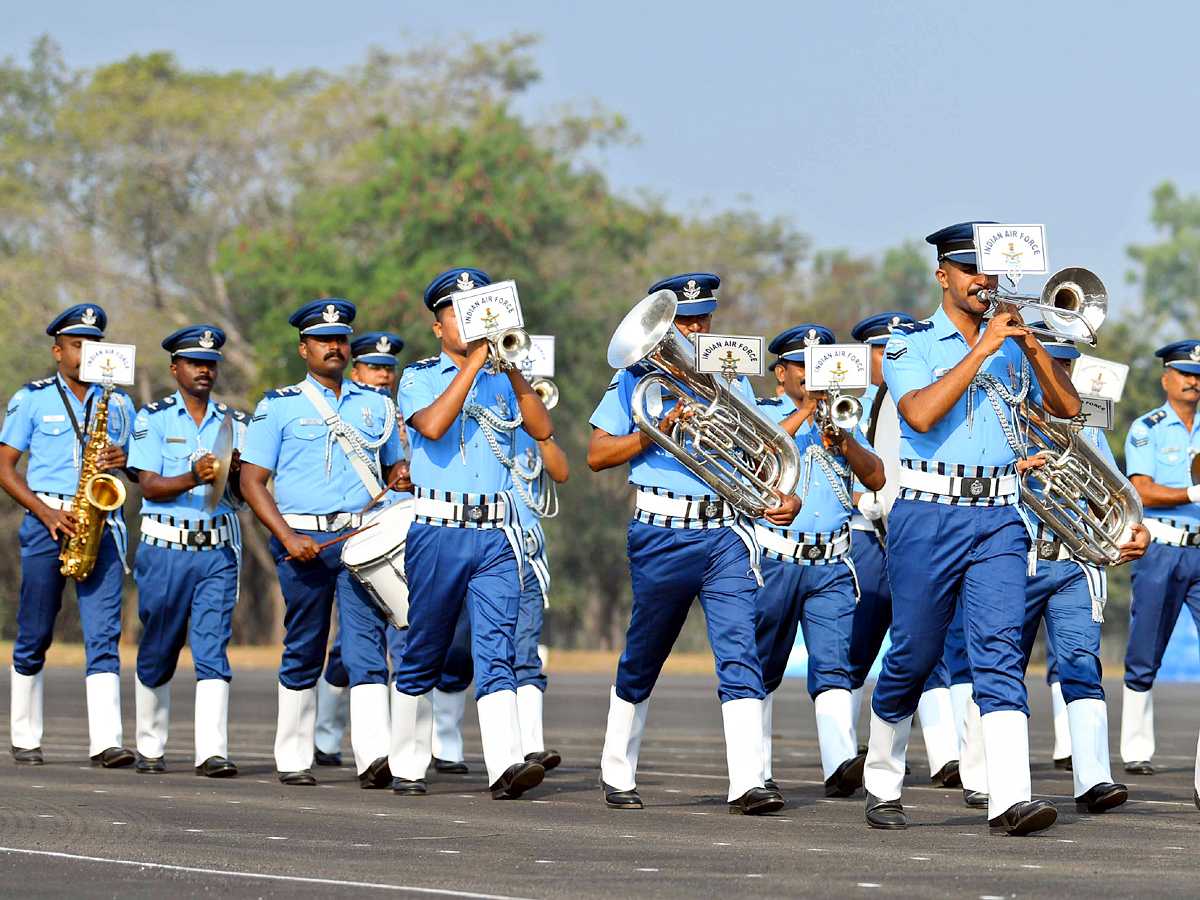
(918, 355)
(165, 436)
(37, 421)
(1160, 446)
(653, 467)
(288, 437)
(820, 509)
(462, 460)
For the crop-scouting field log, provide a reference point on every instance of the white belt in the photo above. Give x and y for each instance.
(1171, 535)
(706, 508)
(339, 521)
(476, 513)
(54, 501)
(785, 546)
(212, 537)
(955, 486)
(859, 522)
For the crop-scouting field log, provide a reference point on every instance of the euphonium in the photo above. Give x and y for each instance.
(96, 495)
(1085, 500)
(547, 390)
(726, 442)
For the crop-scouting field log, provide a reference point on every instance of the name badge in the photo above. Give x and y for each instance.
(172, 440)
(312, 421)
(54, 418)
(938, 373)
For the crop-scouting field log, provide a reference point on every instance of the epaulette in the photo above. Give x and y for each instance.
(40, 383)
(770, 401)
(282, 392)
(1154, 418)
(913, 327)
(423, 363)
(238, 415)
(159, 405)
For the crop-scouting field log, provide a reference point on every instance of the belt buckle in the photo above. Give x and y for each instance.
(1191, 539)
(1048, 550)
(973, 487)
(710, 509)
(198, 539)
(814, 551)
(474, 512)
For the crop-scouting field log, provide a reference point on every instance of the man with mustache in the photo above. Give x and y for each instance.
(329, 443)
(1158, 456)
(188, 559)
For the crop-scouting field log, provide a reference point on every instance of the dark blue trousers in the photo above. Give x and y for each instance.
(1163, 581)
(99, 597)
(447, 568)
(184, 594)
(1059, 594)
(938, 557)
(820, 599)
(309, 590)
(670, 568)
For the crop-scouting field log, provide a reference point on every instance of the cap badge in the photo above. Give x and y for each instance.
(383, 345)
(206, 340)
(464, 282)
(895, 321)
(331, 314)
(811, 339)
(1194, 353)
(88, 317)
(691, 292)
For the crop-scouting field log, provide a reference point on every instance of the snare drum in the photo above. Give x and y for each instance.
(376, 558)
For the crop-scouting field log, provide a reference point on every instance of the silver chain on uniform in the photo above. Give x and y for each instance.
(836, 472)
(1000, 395)
(366, 450)
(489, 424)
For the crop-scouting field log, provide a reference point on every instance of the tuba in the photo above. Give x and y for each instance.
(727, 443)
(97, 494)
(1085, 500)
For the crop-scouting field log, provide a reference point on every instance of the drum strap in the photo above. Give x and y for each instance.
(370, 482)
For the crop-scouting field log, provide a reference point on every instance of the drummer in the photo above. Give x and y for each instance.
(188, 559)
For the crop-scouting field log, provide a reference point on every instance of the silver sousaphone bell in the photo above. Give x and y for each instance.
(1073, 305)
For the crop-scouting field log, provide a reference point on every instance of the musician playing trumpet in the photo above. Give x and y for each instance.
(684, 542)
(808, 579)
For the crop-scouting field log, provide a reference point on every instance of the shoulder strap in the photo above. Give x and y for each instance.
(327, 413)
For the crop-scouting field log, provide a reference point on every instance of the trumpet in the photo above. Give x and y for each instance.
(1073, 305)
(838, 410)
(507, 348)
(547, 390)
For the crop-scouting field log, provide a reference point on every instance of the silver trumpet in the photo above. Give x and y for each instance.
(1073, 304)
(726, 442)
(1085, 501)
(838, 410)
(507, 348)
(547, 390)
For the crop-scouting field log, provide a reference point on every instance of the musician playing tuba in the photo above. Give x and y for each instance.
(685, 541)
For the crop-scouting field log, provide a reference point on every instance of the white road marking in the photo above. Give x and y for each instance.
(263, 876)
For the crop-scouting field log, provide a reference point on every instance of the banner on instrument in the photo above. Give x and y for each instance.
(101, 361)
(1099, 377)
(1097, 412)
(846, 365)
(538, 361)
(485, 310)
(730, 355)
(1012, 250)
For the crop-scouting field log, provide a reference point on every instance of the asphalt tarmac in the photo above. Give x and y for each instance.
(69, 830)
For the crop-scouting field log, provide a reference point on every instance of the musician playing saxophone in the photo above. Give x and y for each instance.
(684, 543)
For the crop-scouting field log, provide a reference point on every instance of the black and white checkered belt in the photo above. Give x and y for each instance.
(335, 521)
(56, 501)
(185, 534)
(940, 482)
(455, 510)
(1173, 533)
(657, 506)
(816, 548)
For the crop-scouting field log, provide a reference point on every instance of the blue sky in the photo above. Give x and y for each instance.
(864, 123)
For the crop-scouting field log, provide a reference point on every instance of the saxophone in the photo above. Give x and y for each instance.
(97, 494)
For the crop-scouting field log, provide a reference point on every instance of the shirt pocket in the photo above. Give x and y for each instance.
(176, 459)
(305, 430)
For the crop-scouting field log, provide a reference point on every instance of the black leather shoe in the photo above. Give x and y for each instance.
(847, 778)
(947, 776)
(517, 779)
(548, 758)
(1064, 764)
(615, 799)
(757, 802)
(407, 786)
(326, 759)
(1025, 818)
(888, 814)
(770, 784)
(149, 765)
(303, 778)
(216, 767)
(975, 799)
(114, 758)
(32, 757)
(1100, 797)
(376, 775)
(1139, 767)
(445, 767)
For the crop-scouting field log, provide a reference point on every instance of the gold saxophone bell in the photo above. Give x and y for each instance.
(97, 494)
(547, 390)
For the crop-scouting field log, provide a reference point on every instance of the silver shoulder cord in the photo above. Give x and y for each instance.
(999, 394)
(546, 506)
(836, 472)
(366, 450)
(489, 424)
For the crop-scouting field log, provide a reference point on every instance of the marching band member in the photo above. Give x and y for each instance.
(683, 544)
(50, 418)
(328, 426)
(955, 533)
(188, 559)
(463, 547)
(873, 614)
(373, 364)
(808, 579)
(1158, 456)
